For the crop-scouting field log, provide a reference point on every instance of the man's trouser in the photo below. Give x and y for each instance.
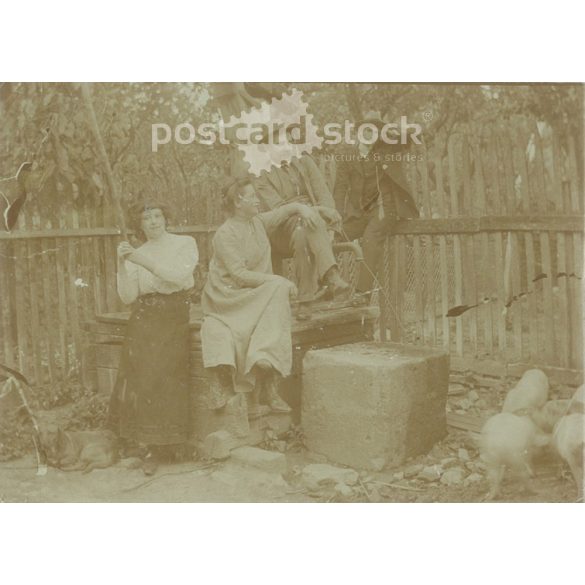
(310, 249)
(373, 232)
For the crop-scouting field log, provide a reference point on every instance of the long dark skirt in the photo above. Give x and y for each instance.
(150, 403)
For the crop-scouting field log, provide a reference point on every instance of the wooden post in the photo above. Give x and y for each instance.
(86, 95)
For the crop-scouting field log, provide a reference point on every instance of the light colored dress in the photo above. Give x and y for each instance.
(246, 308)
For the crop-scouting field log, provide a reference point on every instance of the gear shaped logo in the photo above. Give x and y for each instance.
(276, 132)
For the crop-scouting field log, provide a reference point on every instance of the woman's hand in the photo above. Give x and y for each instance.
(293, 291)
(309, 215)
(124, 251)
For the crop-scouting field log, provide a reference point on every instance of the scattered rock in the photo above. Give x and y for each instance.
(464, 404)
(412, 470)
(463, 454)
(268, 461)
(318, 475)
(453, 476)
(472, 478)
(456, 389)
(430, 473)
(374, 495)
(449, 462)
(479, 466)
(131, 463)
(280, 446)
(473, 396)
(217, 445)
(317, 457)
(343, 490)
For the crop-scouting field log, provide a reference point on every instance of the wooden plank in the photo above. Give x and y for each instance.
(424, 175)
(86, 232)
(401, 283)
(7, 310)
(419, 289)
(576, 284)
(487, 271)
(112, 303)
(88, 292)
(471, 295)
(431, 334)
(467, 207)
(493, 174)
(51, 328)
(384, 294)
(532, 299)
(569, 377)
(479, 199)
(63, 304)
(462, 225)
(500, 307)
(546, 288)
(469, 423)
(458, 263)
(24, 341)
(444, 291)
(74, 295)
(393, 315)
(531, 223)
(439, 190)
(539, 174)
(484, 367)
(508, 158)
(576, 194)
(521, 168)
(562, 303)
(98, 262)
(557, 178)
(466, 224)
(517, 306)
(453, 182)
(34, 326)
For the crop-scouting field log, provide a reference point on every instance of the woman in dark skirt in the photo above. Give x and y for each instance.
(151, 404)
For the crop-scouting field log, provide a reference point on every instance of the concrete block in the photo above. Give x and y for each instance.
(269, 461)
(368, 404)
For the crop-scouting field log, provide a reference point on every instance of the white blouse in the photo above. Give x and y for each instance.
(175, 259)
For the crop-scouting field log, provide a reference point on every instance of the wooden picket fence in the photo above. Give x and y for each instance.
(499, 247)
(501, 228)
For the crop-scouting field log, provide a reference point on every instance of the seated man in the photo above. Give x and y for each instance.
(371, 193)
(306, 240)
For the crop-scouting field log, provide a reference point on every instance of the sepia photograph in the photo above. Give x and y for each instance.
(291, 292)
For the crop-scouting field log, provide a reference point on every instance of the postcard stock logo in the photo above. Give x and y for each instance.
(282, 129)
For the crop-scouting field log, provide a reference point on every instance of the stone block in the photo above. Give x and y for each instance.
(269, 461)
(365, 403)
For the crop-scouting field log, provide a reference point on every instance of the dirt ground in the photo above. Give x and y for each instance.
(227, 481)
(451, 472)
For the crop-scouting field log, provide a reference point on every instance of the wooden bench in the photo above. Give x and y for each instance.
(331, 325)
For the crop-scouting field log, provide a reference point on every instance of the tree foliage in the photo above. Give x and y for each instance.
(47, 122)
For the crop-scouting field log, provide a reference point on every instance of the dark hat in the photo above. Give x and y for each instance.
(372, 118)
